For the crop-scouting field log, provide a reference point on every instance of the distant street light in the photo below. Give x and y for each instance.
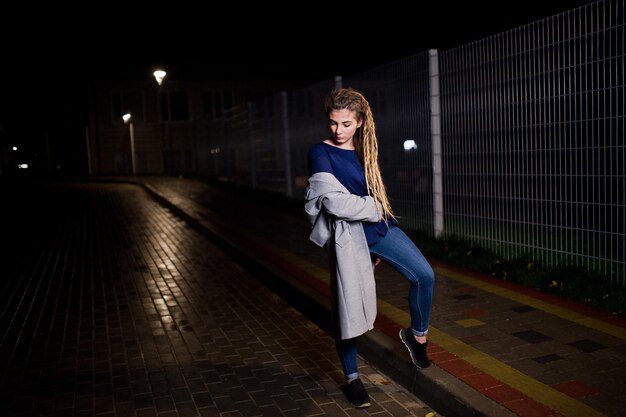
(159, 75)
(409, 144)
(129, 120)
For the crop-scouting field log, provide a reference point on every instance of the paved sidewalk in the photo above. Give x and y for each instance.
(498, 349)
(112, 306)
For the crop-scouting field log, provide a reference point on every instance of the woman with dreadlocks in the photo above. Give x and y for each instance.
(347, 204)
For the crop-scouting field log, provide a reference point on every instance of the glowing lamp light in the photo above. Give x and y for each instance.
(409, 144)
(159, 75)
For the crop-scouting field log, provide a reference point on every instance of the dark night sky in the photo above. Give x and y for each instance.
(339, 42)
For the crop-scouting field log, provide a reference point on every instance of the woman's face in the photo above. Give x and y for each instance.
(343, 124)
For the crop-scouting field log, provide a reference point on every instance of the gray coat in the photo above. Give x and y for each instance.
(336, 217)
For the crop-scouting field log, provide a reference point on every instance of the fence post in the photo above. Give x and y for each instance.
(88, 151)
(338, 82)
(287, 146)
(251, 110)
(435, 133)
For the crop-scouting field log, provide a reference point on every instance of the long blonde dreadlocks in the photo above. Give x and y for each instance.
(365, 141)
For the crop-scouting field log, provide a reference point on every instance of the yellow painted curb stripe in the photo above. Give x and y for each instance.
(561, 312)
(510, 376)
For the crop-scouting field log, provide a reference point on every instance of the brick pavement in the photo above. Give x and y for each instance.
(113, 306)
(499, 349)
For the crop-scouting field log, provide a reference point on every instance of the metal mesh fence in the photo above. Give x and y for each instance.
(531, 134)
(533, 140)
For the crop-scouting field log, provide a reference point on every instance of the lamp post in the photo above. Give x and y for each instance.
(129, 120)
(159, 76)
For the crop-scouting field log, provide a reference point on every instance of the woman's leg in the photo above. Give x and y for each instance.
(354, 389)
(400, 252)
(347, 351)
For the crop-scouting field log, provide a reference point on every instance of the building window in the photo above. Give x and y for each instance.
(218, 104)
(175, 106)
(123, 102)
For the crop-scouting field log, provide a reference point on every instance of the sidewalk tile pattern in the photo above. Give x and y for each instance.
(532, 343)
(113, 306)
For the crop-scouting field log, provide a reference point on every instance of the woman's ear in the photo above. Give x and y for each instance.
(359, 123)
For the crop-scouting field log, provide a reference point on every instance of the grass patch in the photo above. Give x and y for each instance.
(573, 282)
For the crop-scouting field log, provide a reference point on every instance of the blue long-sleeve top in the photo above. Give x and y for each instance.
(345, 166)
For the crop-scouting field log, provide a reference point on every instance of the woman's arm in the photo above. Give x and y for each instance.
(351, 207)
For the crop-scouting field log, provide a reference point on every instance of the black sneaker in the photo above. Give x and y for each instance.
(356, 394)
(416, 349)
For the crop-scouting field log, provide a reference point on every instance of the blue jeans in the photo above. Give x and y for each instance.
(397, 250)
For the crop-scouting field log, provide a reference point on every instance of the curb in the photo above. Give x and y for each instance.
(440, 390)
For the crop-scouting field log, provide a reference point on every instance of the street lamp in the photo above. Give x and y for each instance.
(159, 75)
(129, 120)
